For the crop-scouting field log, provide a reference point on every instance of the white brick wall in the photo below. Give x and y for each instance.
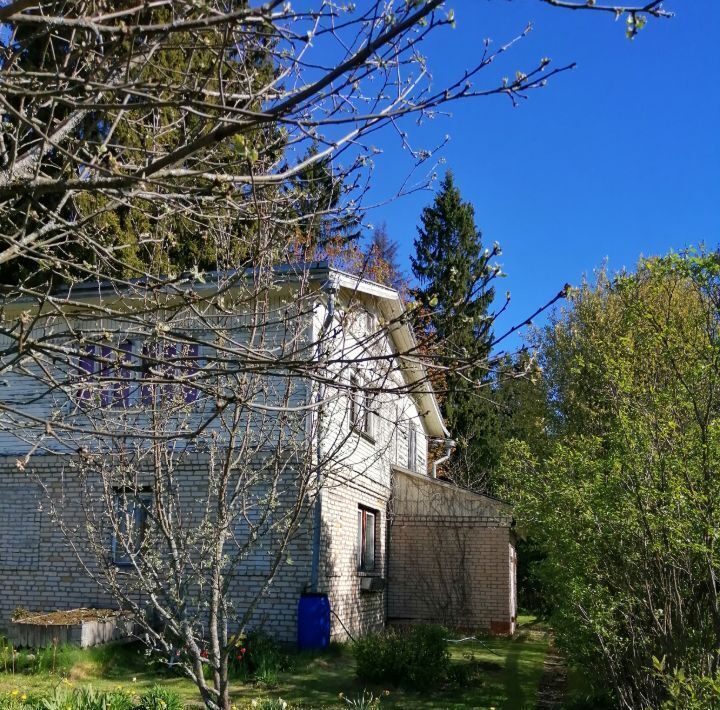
(38, 570)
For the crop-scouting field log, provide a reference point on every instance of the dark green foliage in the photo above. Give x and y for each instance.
(688, 692)
(135, 236)
(532, 595)
(455, 273)
(319, 226)
(417, 658)
(258, 656)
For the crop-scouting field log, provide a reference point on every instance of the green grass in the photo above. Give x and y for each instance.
(497, 672)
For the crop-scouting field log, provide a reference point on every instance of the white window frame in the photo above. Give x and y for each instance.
(362, 418)
(367, 548)
(412, 450)
(181, 368)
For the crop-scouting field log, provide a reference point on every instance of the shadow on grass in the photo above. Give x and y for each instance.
(493, 671)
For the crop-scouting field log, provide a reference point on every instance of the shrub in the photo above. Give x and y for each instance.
(418, 657)
(159, 698)
(260, 657)
(87, 698)
(688, 691)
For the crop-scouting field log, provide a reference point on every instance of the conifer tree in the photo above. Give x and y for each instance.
(383, 260)
(140, 236)
(455, 273)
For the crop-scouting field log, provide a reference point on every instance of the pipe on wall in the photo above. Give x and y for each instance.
(331, 289)
(450, 446)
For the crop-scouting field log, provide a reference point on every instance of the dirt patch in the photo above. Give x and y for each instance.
(553, 682)
(67, 618)
(82, 672)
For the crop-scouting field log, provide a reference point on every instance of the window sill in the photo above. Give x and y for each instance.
(363, 435)
(372, 584)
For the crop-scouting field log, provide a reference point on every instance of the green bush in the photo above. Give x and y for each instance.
(159, 698)
(688, 691)
(418, 658)
(259, 657)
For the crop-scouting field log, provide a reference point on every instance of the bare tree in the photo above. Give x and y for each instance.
(158, 160)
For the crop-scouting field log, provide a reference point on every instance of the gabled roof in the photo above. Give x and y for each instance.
(403, 340)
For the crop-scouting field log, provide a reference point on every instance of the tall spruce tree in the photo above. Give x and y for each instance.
(455, 273)
(138, 236)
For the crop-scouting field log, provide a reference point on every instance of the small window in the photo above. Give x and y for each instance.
(110, 365)
(86, 369)
(129, 524)
(412, 447)
(361, 417)
(148, 368)
(189, 370)
(117, 394)
(367, 520)
(162, 365)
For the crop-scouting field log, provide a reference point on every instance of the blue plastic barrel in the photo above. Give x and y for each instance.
(313, 622)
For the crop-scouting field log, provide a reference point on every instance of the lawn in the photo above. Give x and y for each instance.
(496, 672)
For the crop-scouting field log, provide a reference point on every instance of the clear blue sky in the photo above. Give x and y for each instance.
(618, 158)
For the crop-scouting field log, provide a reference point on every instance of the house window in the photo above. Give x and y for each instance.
(129, 524)
(361, 417)
(367, 519)
(86, 370)
(189, 370)
(149, 365)
(115, 368)
(167, 363)
(112, 368)
(412, 447)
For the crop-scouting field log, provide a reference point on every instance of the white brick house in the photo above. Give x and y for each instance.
(382, 537)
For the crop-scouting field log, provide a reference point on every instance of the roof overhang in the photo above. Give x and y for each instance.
(405, 345)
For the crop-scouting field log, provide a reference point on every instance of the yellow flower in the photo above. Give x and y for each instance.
(15, 692)
(23, 697)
